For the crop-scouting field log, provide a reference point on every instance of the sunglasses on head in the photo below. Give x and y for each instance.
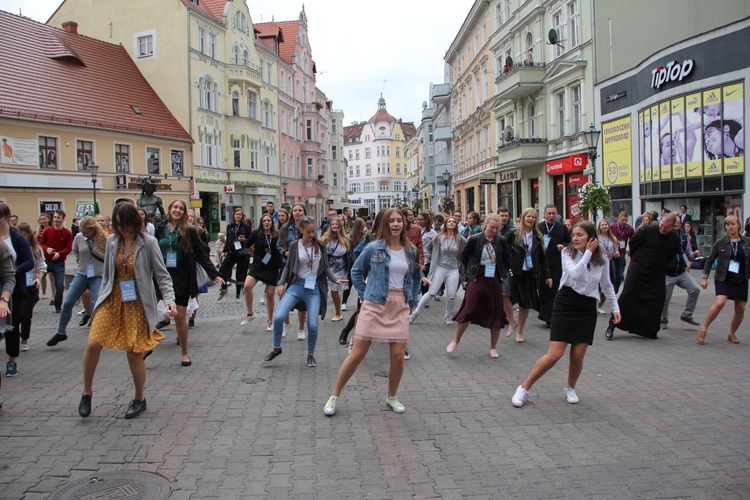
(307, 218)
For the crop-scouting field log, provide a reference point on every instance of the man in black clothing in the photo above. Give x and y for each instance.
(556, 237)
(644, 290)
(327, 221)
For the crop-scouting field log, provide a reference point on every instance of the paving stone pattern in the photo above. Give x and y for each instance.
(662, 418)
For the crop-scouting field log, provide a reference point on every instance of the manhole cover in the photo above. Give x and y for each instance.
(119, 484)
(253, 381)
(381, 374)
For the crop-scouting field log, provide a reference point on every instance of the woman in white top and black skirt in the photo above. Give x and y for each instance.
(585, 270)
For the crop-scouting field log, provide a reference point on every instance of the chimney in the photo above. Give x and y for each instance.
(70, 27)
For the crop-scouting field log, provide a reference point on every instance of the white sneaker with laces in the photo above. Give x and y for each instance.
(448, 321)
(24, 345)
(262, 299)
(301, 335)
(343, 306)
(413, 317)
(330, 407)
(269, 327)
(395, 404)
(600, 310)
(247, 318)
(520, 397)
(284, 331)
(571, 396)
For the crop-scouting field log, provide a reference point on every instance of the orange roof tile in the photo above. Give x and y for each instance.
(53, 76)
(289, 30)
(215, 7)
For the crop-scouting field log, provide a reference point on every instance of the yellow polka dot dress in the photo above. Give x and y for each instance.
(123, 325)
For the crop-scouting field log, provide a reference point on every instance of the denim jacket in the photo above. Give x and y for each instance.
(373, 263)
(721, 252)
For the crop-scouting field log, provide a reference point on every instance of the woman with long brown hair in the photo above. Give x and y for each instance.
(235, 253)
(338, 249)
(44, 222)
(290, 233)
(355, 236)
(182, 249)
(32, 287)
(266, 267)
(89, 246)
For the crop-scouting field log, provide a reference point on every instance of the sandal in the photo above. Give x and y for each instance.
(702, 335)
(733, 338)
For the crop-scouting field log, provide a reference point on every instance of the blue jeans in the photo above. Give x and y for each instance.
(79, 285)
(57, 269)
(619, 272)
(294, 293)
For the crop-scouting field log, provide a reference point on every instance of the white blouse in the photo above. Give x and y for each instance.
(397, 269)
(585, 278)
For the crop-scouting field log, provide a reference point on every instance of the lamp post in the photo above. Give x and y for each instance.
(446, 180)
(591, 136)
(284, 186)
(93, 170)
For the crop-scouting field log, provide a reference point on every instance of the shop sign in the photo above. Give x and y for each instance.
(229, 188)
(509, 176)
(572, 163)
(121, 181)
(50, 206)
(196, 203)
(135, 183)
(486, 179)
(672, 72)
(178, 169)
(617, 152)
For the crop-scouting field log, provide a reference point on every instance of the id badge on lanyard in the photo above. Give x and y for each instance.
(127, 287)
(622, 244)
(489, 270)
(734, 266)
(30, 278)
(172, 259)
(266, 258)
(237, 245)
(90, 271)
(546, 240)
(528, 263)
(310, 282)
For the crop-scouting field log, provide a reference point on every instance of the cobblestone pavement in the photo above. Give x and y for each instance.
(662, 418)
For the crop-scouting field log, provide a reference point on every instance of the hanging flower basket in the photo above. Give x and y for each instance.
(446, 205)
(594, 197)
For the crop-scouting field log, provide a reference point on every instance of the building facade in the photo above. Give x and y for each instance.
(48, 144)
(673, 129)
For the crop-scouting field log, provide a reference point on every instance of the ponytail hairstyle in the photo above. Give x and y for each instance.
(100, 239)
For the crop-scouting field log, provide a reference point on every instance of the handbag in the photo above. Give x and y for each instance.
(202, 277)
(6, 323)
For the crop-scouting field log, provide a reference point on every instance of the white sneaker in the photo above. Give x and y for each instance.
(395, 404)
(284, 331)
(269, 326)
(343, 306)
(247, 318)
(600, 310)
(571, 396)
(520, 397)
(262, 299)
(413, 317)
(448, 321)
(330, 407)
(24, 345)
(301, 335)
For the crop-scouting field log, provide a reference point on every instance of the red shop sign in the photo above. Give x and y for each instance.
(572, 163)
(535, 185)
(577, 180)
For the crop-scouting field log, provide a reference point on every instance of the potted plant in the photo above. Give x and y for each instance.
(593, 197)
(446, 205)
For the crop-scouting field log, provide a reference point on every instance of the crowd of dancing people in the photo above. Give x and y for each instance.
(136, 274)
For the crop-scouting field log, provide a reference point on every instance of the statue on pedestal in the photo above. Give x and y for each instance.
(149, 202)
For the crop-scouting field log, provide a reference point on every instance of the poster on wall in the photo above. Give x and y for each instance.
(712, 136)
(646, 151)
(665, 141)
(677, 138)
(617, 152)
(733, 122)
(694, 135)
(178, 169)
(641, 167)
(654, 139)
(18, 151)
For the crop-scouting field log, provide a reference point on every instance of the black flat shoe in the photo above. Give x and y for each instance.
(343, 337)
(136, 408)
(162, 324)
(56, 338)
(84, 321)
(610, 332)
(84, 407)
(147, 354)
(271, 356)
(188, 362)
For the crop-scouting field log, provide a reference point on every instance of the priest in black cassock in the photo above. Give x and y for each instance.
(644, 290)
(556, 237)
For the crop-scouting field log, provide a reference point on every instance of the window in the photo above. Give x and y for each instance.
(237, 153)
(351, 154)
(209, 149)
(398, 152)
(202, 40)
(84, 154)
(283, 121)
(358, 172)
(235, 103)
(283, 164)
(308, 130)
(369, 187)
(561, 113)
(209, 97)
(252, 105)
(335, 179)
(356, 154)
(334, 153)
(240, 22)
(268, 114)
(368, 153)
(282, 81)
(368, 169)
(573, 21)
(507, 9)
(153, 161)
(557, 22)
(576, 109)
(48, 153)
(269, 72)
(268, 158)
(532, 116)
(291, 129)
(310, 168)
(212, 45)
(122, 158)
(398, 168)
(145, 46)
(430, 137)
(254, 152)
(384, 186)
(334, 126)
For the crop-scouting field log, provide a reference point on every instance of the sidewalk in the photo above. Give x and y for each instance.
(657, 418)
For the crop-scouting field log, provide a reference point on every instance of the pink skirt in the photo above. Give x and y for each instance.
(386, 323)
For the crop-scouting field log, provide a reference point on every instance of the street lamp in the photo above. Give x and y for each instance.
(591, 136)
(446, 180)
(284, 186)
(93, 170)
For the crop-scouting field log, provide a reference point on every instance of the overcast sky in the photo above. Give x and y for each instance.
(360, 48)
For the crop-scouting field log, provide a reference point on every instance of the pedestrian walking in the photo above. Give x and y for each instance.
(356, 235)
(623, 232)
(89, 246)
(338, 250)
(289, 234)
(32, 287)
(486, 260)
(44, 221)
(528, 268)
(57, 242)
(677, 274)
(556, 236)
(391, 265)
(125, 312)
(585, 271)
(732, 256)
(644, 290)
(150, 229)
(266, 267)
(609, 244)
(7, 284)
(197, 222)
(424, 221)
(235, 253)
(472, 227)
(445, 251)
(183, 250)
(304, 279)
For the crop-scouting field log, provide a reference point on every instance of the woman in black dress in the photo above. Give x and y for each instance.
(234, 252)
(732, 253)
(528, 267)
(266, 267)
(585, 270)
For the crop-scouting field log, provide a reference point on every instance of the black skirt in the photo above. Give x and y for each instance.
(180, 283)
(573, 318)
(524, 291)
(733, 290)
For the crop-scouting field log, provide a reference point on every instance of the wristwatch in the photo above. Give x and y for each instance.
(5, 299)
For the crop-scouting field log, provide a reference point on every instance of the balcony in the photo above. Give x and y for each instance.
(241, 61)
(443, 132)
(520, 80)
(521, 152)
(441, 93)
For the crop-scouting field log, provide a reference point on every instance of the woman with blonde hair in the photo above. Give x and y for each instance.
(732, 256)
(89, 246)
(339, 260)
(610, 245)
(528, 267)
